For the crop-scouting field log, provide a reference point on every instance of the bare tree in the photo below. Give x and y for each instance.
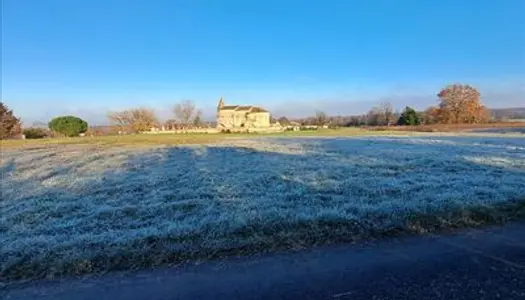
(381, 115)
(136, 119)
(186, 112)
(374, 117)
(320, 118)
(387, 112)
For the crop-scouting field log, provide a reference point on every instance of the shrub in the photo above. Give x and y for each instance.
(68, 125)
(378, 128)
(308, 128)
(35, 133)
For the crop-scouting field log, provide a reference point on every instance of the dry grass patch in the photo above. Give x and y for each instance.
(450, 127)
(179, 139)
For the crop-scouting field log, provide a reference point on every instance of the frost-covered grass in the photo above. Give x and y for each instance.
(90, 209)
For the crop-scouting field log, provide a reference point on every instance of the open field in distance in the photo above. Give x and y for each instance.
(501, 127)
(79, 209)
(193, 139)
(510, 130)
(179, 139)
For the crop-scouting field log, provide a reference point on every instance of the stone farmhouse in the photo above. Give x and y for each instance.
(241, 118)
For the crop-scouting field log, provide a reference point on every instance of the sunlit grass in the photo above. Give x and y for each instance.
(180, 139)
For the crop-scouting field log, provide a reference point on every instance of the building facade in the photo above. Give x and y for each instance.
(241, 118)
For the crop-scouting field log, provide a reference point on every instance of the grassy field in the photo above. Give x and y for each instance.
(86, 208)
(193, 139)
(510, 126)
(178, 139)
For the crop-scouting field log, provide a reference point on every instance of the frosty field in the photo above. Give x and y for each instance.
(77, 209)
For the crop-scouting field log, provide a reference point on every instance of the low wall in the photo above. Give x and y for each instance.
(216, 130)
(186, 131)
(268, 129)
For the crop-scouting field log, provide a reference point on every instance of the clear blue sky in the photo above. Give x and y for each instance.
(292, 56)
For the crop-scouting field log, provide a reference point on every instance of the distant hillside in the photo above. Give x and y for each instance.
(508, 113)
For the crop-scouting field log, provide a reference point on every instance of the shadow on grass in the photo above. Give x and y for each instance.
(172, 205)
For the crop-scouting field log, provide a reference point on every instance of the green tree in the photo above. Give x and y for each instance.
(9, 124)
(197, 120)
(284, 121)
(68, 125)
(409, 117)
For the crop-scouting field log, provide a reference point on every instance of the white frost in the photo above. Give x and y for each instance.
(57, 200)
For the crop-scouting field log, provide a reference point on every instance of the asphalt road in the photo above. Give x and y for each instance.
(473, 264)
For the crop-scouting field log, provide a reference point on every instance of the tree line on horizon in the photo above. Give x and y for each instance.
(458, 104)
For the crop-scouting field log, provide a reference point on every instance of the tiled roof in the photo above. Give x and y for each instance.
(243, 108)
(258, 109)
(253, 109)
(229, 107)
